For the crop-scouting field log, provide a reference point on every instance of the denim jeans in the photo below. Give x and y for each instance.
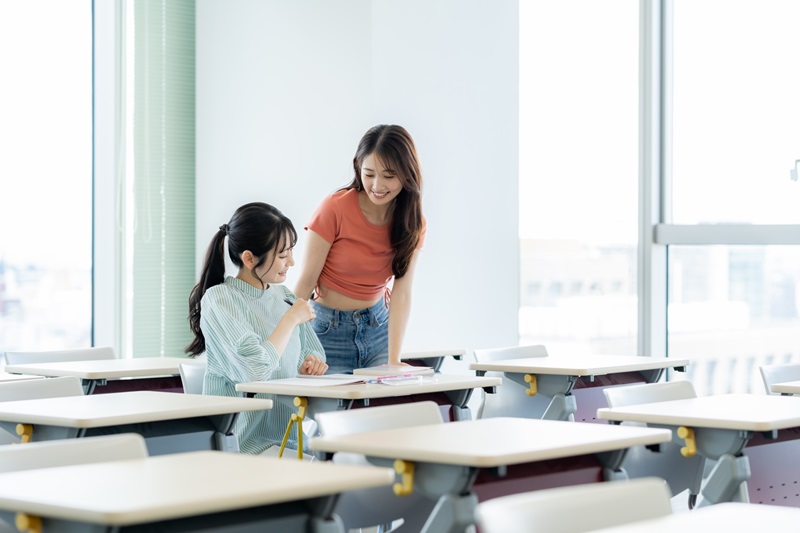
(353, 339)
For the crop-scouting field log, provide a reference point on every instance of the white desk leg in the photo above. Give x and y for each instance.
(557, 388)
(562, 407)
(452, 514)
(727, 481)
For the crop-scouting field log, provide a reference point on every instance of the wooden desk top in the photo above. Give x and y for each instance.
(105, 368)
(580, 365)
(728, 516)
(492, 442)
(361, 391)
(787, 387)
(6, 377)
(176, 485)
(747, 412)
(101, 410)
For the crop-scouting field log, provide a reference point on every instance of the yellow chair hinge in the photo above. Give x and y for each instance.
(406, 470)
(28, 524)
(25, 431)
(533, 388)
(687, 434)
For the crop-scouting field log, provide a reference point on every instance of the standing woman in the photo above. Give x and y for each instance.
(251, 327)
(360, 239)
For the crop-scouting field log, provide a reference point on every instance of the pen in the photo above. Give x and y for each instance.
(288, 301)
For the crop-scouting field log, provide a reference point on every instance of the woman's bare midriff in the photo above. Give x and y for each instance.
(337, 300)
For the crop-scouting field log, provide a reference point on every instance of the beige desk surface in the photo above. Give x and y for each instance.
(729, 517)
(788, 387)
(455, 352)
(580, 365)
(105, 368)
(492, 441)
(101, 410)
(176, 485)
(6, 377)
(360, 391)
(748, 412)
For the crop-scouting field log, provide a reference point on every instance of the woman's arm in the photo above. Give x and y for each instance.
(400, 310)
(300, 313)
(312, 354)
(316, 253)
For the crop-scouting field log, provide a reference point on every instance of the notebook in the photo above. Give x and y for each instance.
(325, 380)
(393, 370)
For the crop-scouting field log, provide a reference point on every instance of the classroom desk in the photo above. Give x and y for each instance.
(195, 491)
(787, 388)
(554, 377)
(719, 428)
(449, 390)
(729, 516)
(149, 373)
(450, 462)
(445, 389)
(169, 422)
(6, 377)
(432, 358)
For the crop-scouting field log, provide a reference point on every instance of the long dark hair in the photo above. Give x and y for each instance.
(257, 227)
(395, 148)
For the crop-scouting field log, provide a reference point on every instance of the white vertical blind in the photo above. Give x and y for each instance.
(162, 251)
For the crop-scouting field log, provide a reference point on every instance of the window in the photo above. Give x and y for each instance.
(46, 169)
(736, 115)
(579, 175)
(733, 138)
(731, 309)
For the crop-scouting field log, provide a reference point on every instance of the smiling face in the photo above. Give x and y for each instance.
(380, 183)
(274, 268)
(275, 271)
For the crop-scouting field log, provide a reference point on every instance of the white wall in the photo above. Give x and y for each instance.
(286, 89)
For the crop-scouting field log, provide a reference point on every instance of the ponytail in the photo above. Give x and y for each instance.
(213, 273)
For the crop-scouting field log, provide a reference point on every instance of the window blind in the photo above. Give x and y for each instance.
(162, 248)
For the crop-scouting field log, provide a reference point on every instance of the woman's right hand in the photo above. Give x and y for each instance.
(301, 311)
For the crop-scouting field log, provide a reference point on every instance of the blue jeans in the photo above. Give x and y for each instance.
(353, 339)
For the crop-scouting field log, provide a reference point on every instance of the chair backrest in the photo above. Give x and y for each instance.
(510, 352)
(72, 451)
(336, 423)
(82, 354)
(192, 375)
(373, 507)
(680, 473)
(510, 398)
(40, 388)
(772, 374)
(649, 393)
(554, 510)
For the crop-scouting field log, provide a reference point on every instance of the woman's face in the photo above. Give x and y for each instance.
(380, 183)
(276, 273)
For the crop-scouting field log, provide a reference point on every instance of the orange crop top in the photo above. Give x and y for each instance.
(359, 262)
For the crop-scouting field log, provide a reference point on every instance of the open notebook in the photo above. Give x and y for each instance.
(394, 371)
(329, 380)
(325, 380)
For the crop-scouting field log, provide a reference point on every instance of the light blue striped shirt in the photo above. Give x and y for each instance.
(237, 319)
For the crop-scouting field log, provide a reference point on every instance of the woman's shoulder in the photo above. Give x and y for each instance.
(222, 292)
(342, 197)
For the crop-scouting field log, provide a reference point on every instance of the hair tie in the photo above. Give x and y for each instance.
(224, 229)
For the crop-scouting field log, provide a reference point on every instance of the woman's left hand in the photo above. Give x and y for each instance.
(313, 366)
